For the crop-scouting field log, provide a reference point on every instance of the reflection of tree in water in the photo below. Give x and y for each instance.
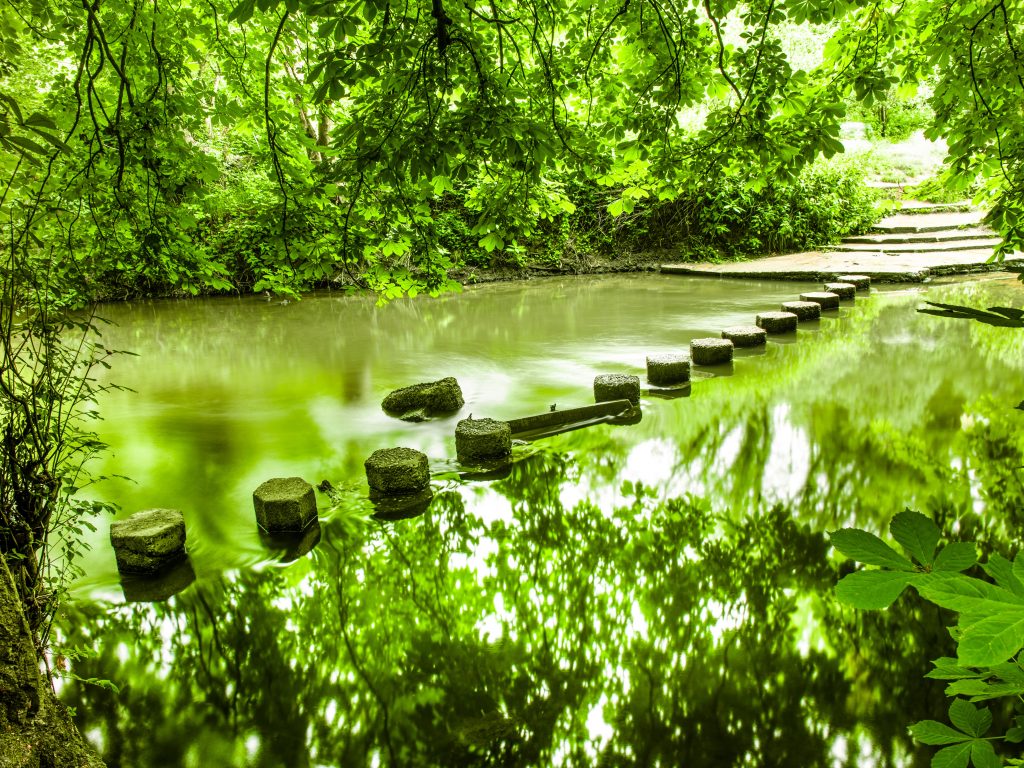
(650, 632)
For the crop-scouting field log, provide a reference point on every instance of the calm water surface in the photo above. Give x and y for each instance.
(646, 594)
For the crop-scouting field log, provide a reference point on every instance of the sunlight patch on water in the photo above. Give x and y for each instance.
(252, 746)
(491, 627)
(599, 730)
(789, 462)
(653, 463)
(721, 617)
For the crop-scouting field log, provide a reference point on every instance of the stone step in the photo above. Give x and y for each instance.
(987, 245)
(917, 207)
(932, 222)
(976, 233)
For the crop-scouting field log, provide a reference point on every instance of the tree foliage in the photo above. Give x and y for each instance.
(989, 631)
(277, 144)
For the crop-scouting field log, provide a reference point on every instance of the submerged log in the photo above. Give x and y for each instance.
(570, 418)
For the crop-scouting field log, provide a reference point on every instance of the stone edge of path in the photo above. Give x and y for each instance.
(905, 276)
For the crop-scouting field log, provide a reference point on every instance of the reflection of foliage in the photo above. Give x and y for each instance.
(651, 632)
(988, 632)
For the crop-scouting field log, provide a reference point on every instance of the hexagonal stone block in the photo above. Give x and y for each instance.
(745, 335)
(863, 282)
(149, 540)
(616, 386)
(804, 310)
(711, 351)
(421, 401)
(482, 439)
(665, 370)
(842, 290)
(825, 299)
(394, 471)
(777, 322)
(284, 504)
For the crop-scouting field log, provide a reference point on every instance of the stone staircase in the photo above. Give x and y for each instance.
(923, 228)
(919, 241)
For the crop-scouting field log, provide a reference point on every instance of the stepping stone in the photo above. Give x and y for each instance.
(394, 471)
(745, 335)
(863, 282)
(711, 351)
(485, 438)
(284, 504)
(824, 299)
(666, 370)
(842, 290)
(617, 386)
(421, 401)
(149, 541)
(804, 310)
(777, 322)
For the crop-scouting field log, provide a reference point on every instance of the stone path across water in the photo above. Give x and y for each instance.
(925, 240)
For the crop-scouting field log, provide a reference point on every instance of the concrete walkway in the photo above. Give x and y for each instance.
(920, 241)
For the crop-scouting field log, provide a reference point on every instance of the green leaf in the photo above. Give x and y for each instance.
(491, 241)
(52, 140)
(1018, 563)
(1001, 571)
(27, 144)
(869, 549)
(983, 755)
(957, 556)
(979, 690)
(935, 733)
(990, 638)
(957, 756)
(917, 533)
(37, 120)
(872, 590)
(966, 595)
(970, 719)
(243, 11)
(946, 668)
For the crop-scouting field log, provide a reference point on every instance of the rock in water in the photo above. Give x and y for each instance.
(842, 290)
(711, 351)
(284, 504)
(482, 439)
(669, 369)
(421, 401)
(777, 322)
(826, 299)
(863, 282)
(394, 471)
(148, 541)
(804, 310)
(746, 335)
(616, 386)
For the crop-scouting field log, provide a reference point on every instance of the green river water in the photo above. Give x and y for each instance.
(649, 594)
